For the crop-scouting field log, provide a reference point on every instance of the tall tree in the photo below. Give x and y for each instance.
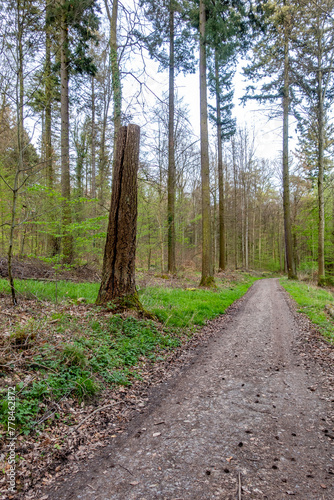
(114, 65)
(207, 278)
(271, 59)
(77, 23)
(169, 28)
(314, 74)
(221, 72)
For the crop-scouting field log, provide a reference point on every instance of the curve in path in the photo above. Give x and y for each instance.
(241, 422)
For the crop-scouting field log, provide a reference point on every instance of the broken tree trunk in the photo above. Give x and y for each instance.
(118, 273)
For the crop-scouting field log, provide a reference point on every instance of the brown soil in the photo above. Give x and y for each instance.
(249, 416)
(37, 269)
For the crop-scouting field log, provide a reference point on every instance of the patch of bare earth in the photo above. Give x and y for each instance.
(250, 415)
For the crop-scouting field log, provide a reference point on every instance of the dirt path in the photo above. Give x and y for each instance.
(248, 419)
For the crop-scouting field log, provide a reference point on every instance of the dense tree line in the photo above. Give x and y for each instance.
(73, 72)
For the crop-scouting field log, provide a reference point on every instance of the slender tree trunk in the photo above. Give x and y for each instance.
(115, 73)
(286, 184)
(207, 268)
(222, 257)
(321, 202)
(171, 150)
(118, 273)
(52, 241)
(235, 220)
(65, 156)
(20, 143)
(93, 145)
(103, 156)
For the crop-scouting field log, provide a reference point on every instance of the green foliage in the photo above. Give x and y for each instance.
(101, 351)
(44, 290)
(312, 301)
(185, 308)
(82, 22)
(99, 356)
(74, 355)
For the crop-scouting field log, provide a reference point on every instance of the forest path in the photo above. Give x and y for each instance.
(247, 419)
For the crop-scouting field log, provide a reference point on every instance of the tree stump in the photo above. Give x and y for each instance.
(118, 272)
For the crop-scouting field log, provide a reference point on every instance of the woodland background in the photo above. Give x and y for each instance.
(55, 195)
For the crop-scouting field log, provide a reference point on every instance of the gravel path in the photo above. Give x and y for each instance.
(247, 419)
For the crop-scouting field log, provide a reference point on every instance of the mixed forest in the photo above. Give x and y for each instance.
(72, 73)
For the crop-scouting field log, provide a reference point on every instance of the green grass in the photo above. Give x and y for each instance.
(186, 308)
(77, 355)
(312, 301)
(100, 355)
(46, 290)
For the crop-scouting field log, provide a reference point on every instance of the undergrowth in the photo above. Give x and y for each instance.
(312, 301)
(76, 352)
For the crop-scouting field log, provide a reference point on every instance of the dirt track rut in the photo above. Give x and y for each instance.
(246, 420)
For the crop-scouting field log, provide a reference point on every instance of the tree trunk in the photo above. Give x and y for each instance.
(222, 257)
(115, 73)
(118, 273)
(235, 219)
(207, 268)
(67, 240)
(52, 241)
(20, 145)
(171, 151)
(321, 202)
(286, 184)
(93, 145)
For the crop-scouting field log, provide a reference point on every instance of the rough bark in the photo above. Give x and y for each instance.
(321, 202)
(52, 242)
(67, 241)
(118, 273)
(171, 151)
(207, 268)
(20, 145)
(286, 183)
(222, 257)
(235, 218)
(93, 144)
(114, 64)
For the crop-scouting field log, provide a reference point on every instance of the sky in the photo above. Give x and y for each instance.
(268, 133)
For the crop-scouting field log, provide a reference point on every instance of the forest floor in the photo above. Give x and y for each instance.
(246, 411)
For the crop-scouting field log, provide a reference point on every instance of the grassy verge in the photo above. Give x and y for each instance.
(312, 301)
(46, 290)
(53, 353)
(185, 308)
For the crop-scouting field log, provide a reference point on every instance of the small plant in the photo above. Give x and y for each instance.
(313, 302)
(86, 388)
(73, 355)
(24, 335)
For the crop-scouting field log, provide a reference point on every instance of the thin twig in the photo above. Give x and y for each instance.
(239, 489)
(95, 411)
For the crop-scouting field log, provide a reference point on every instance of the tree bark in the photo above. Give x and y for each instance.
(67, 240)
(222, 257)
(115, 73)
(321, 202)
(52, 241)
(207, 268)
(93, 144)
(171, 150)
(235, 219)
(286, 183)
(118, 273)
